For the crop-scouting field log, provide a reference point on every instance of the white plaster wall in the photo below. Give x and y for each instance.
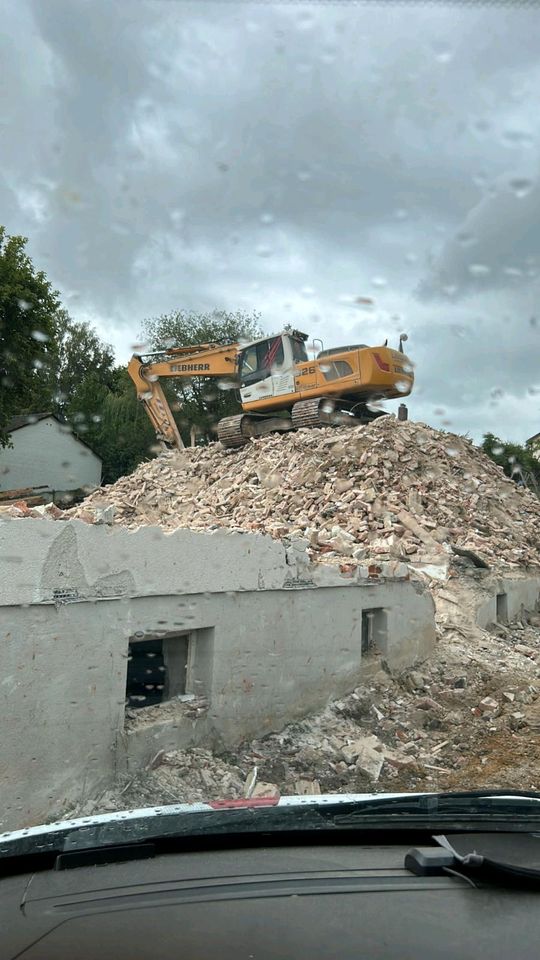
(46, 453)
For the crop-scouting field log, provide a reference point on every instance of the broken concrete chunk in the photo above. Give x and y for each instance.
(351, 751)
(488, 704)
(341, 486)
(250, 781)
(369, 762)
(526, 651)
(307, 788)
(263, 789)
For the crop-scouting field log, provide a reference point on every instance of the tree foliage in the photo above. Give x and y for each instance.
(200, 402)
(29, 308)
(105, 412)
(80, 356)
(517, 461)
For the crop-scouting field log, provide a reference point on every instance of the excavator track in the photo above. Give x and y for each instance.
(323, 412)
(230, 433)
(311, 413)
(235, 432)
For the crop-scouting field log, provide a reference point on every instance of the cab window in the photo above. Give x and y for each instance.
(299, 350)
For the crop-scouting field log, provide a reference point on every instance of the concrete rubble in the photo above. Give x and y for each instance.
(389, 491)
(395, 493)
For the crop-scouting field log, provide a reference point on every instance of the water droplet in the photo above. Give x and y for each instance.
(442, 51)
(452, 451)
(379, 281)
(479, 269)
(40, 336)
(375, 405)
(267, 218)
(481, 125)
(497, 451)
(24, 304)
(521, 186)
(305, 20)
(307, 292)
(263, 251)
(439, 411)
(513, 272)
(325, 367)
(514, 138)
(304, 175)
(466, 238)
(401, 213)
(402, 386)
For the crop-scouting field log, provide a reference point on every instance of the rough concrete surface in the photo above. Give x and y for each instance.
(267, 645)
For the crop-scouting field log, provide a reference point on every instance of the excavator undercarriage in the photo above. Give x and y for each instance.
(236, 431)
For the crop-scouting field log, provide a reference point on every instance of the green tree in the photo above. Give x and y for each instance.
(111, 420)
(28, 349)
(517, 461)
(200, 402)
(80, 356)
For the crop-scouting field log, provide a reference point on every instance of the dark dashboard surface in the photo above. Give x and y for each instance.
(341, 901)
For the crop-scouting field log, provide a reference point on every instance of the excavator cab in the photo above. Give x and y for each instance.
(267, 367)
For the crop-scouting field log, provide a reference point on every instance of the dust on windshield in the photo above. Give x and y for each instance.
(269, 418)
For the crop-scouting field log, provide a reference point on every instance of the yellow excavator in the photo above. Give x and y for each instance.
(278, 386)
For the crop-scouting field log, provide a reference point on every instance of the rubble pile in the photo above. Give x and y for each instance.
(468, 718)
(389, 490)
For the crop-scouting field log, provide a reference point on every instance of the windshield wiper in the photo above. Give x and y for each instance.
(487, 805)
(148, 833)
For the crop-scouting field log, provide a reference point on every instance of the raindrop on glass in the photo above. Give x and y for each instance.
(521, 186)
(479, 269)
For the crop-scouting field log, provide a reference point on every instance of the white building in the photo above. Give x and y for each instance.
(46, 453)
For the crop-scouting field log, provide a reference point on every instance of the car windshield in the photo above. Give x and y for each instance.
(269, 405)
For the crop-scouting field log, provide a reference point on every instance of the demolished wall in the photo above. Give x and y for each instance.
(272, 638)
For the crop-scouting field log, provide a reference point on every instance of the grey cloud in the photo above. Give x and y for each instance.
(284, 158)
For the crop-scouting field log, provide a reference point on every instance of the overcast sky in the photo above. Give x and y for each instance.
(290, 158)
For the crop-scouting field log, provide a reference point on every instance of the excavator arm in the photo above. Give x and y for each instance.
(204, 360)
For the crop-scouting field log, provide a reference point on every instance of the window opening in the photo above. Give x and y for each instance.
(157, 670)
(502, 608)
(373, 630)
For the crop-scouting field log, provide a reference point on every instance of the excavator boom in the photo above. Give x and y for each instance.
(203, 360)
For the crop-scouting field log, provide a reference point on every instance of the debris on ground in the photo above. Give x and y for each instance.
(468, 718)
(386, 490)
